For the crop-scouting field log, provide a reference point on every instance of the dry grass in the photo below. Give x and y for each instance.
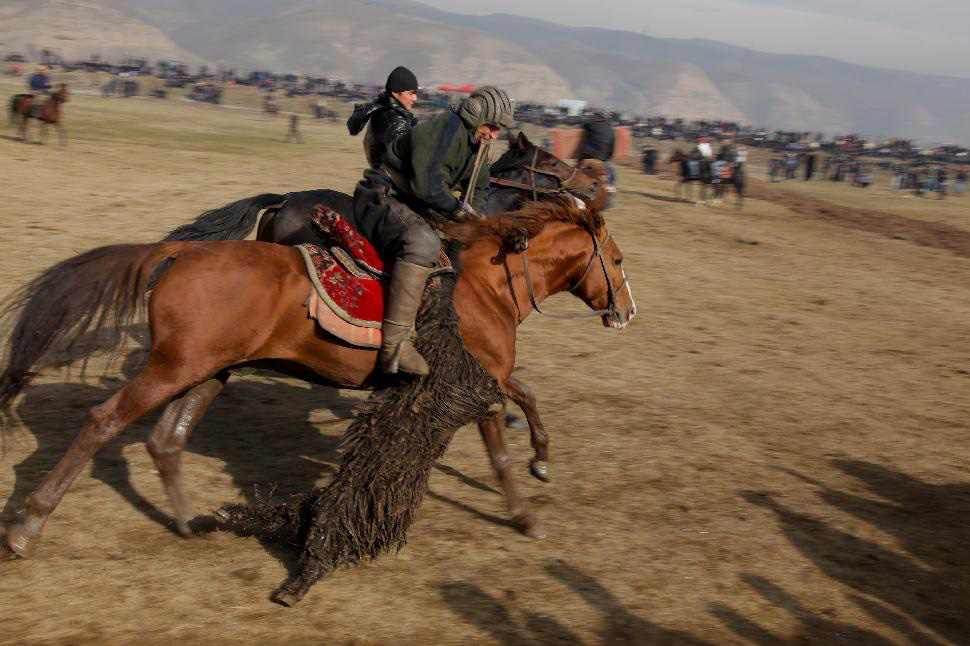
(774, 451)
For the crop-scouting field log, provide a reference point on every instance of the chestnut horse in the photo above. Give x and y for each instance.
(523, 172)
(25, 107)
(226, 305)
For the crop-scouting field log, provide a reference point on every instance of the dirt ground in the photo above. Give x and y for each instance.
(774, 452)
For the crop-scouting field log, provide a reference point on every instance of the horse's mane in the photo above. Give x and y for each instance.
(514, 227)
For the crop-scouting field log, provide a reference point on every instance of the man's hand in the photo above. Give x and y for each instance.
(465, 213)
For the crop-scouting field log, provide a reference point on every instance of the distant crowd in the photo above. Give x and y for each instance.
(842, 151)
(920, 176)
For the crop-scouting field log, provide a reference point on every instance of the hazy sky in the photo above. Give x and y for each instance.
(920, 35)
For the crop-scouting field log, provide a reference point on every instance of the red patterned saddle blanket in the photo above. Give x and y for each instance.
(349, 281)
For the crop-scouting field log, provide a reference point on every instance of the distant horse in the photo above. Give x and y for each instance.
(524, 172)
(692, 168)
(725, 173)
(26, 106)
(197, 310)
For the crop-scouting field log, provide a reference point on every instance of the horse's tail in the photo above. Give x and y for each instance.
(231, 222)
(97, 291)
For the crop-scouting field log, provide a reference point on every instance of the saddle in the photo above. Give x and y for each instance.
(349, 280)
(721, 171)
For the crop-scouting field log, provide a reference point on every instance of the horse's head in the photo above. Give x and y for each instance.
(602, 282)
(572, 246)
(526, 172)
(61, 95)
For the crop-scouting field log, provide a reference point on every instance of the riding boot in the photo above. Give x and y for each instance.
(398, 353)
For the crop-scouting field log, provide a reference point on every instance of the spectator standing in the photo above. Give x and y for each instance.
(650, 161)
(941, 179)
(293, 133)
(809, 166)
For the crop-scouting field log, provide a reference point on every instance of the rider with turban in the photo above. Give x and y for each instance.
(389, 114)
(421, 170)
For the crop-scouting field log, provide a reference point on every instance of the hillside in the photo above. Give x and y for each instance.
(77, 29)
(363, 39)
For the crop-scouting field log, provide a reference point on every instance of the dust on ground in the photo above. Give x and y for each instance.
(775, 450)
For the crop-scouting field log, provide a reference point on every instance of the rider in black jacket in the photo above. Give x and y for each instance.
(597, 143)
(389, 114)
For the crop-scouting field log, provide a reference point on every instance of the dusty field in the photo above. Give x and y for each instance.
(774, 452)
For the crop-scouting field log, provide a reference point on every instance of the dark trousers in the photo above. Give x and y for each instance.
(395, 230)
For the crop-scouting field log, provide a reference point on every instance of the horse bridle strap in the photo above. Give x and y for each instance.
(536, 190)
(525, 187)
(597, 253)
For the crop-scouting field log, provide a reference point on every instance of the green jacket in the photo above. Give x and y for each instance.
(438, 156)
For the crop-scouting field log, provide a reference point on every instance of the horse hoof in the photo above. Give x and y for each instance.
(286, 598)
(19, 542)
(535, 531)
(539, 469)
(221, 516)
(530, 527)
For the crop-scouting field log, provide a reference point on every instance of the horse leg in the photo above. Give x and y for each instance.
(169, 438)
(61, 136)
(524, 399)
(152, 386)
(492, 430)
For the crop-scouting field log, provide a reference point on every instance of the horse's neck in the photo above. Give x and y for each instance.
(498, 200)
(497, 279)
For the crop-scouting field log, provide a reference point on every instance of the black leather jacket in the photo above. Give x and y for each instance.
(388, 121)
(597, 140)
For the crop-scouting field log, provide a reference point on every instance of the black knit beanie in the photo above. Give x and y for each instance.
(401, 80)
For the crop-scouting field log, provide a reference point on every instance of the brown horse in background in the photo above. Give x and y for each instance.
(26, 106)
(225, 305)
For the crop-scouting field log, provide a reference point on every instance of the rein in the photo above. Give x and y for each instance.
(597, 253)
(533, 188)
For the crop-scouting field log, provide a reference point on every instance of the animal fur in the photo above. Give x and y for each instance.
(388, 453)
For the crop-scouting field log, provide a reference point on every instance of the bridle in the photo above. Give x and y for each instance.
(536, 190)
(598, 247)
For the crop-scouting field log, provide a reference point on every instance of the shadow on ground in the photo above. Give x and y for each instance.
(261, 432)
(927, 579)
(507, 622)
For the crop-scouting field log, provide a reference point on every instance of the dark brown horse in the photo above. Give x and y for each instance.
(523, 172)
(197, 310)
(24, 107)
(693, 168)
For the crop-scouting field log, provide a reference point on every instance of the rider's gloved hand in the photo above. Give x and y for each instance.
(465, 213)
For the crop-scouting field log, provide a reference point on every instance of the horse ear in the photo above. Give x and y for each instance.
(522, 141)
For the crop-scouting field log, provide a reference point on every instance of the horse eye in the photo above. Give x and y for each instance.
(618, 262)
